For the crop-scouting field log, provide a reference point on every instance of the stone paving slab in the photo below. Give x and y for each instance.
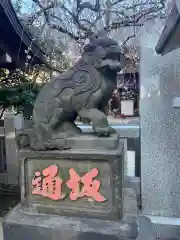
(130, 206)
(130, 209)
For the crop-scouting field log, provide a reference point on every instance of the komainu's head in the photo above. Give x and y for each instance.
(104, 53)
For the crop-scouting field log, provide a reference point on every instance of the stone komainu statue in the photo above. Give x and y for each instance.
(84, 91)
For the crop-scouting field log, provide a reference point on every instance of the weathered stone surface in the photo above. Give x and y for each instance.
(84, 91)
(145, 228)
(90, 141)
(19, 225)
(109, 164)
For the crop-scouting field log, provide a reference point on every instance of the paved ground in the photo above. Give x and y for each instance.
(7, 202)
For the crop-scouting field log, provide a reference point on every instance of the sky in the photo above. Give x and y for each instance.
(26, 5)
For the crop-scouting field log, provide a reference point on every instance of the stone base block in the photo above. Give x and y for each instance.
(166, 231)
(90, 141)
(165, 228)
(20, 225)
(104, 169)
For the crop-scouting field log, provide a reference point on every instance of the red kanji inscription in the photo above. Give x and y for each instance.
(90, 187)
(48, 184)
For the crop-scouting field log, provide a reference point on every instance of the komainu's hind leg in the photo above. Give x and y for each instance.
(99, 120)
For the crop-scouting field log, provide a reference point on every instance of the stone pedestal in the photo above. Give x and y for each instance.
(75, 193)
(108, 172)
(20, 225)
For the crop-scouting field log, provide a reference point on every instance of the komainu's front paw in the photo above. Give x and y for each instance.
(102, 132)
(112, 130)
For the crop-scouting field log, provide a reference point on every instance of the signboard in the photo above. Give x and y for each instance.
(76, 183)
(48, 184)
(127, 107)
(72, 187)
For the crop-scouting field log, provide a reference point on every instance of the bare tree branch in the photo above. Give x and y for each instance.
(115, 17)
(63, 30)
(35, 15)
(88, 5)
(127, 39)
